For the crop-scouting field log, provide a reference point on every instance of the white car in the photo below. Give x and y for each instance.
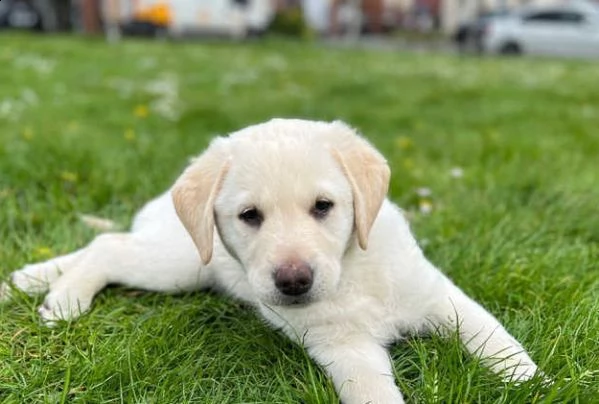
(233, 18)
(568, 29)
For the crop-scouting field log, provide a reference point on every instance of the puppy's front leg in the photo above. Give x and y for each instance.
(360, 368)
(158, 263)
(483, 335)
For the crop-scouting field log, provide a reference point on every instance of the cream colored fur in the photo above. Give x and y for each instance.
(371, 285)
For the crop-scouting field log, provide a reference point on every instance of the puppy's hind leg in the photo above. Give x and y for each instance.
(483, 335)
(122, 258)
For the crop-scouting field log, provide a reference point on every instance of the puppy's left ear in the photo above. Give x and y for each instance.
(194, 194)
(368, 174)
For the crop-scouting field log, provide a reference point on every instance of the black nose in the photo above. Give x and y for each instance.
(293, 278)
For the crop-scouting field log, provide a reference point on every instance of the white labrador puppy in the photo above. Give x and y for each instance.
(291, 217)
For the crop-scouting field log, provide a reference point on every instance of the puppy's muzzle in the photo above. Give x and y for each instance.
(294, 278)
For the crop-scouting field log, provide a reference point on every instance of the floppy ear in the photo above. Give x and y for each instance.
(194, 194)
(368, 174)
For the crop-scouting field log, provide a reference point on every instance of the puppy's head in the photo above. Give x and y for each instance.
(288, 198)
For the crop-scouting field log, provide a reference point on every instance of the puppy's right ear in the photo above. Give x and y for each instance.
(194, 194)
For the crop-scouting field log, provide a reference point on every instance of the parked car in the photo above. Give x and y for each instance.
(20, 14)
(468, 36)
(176, 18)
(570, 29)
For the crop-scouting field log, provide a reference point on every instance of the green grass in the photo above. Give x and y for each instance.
(519, 231)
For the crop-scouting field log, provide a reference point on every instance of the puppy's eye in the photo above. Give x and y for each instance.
(321, 208)
(252, 217)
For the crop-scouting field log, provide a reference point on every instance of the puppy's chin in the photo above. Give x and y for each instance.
(279, 299)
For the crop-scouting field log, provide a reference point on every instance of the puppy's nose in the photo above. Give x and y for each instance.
(294, 278)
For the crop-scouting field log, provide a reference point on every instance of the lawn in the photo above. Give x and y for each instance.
(495, 161)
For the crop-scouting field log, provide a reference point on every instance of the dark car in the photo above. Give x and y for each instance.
(20, 14)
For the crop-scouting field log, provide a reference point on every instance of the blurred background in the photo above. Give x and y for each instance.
(554, 27)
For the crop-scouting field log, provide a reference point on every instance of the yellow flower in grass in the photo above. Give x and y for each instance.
(42, 252)
(141, 111)
(425, 206)
(69, 176)
(403, 142)
(73, 126)
(27, 133)
(129, 135)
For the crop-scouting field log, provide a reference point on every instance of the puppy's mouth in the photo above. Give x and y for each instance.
(293, 301)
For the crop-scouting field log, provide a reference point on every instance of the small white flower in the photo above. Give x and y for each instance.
(165, 89)
(276, 62)
(147, 63)
(34, 62)
(456, 172)
(29, 97)
(423, 192)
(238, 78)
(6, 107)
(11, 109)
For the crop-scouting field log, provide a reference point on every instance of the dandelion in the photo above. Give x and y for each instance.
(141, 111)
(425, 206)
(456, 172)
(403, 142)
(69, 176)
(27, 133)
(72, 126)
(129, 135)
(42, 252)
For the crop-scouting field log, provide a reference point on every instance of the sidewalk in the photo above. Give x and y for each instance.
(392, 43)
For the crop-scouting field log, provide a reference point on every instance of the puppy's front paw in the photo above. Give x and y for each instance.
(63, 305)
(517, 371)
(32, 279)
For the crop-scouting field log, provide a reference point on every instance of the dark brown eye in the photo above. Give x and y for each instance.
(252, 217)
(321, 208)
